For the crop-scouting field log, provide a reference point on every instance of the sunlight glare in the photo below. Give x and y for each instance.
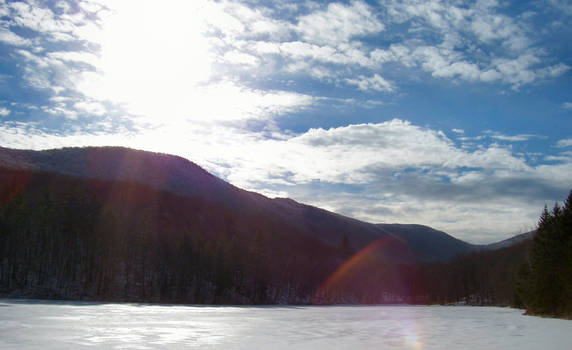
(153, 56)
(156, 61)
(413, 343)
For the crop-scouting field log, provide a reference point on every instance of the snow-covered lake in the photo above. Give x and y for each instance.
(28, 324)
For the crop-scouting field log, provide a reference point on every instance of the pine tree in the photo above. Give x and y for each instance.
(566, 266)
(547, 287)
(345, 248)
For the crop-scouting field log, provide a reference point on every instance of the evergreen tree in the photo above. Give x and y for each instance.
(345, 248)
(547, 287)
(566, 266)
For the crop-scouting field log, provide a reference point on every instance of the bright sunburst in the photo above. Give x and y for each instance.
(152, 57)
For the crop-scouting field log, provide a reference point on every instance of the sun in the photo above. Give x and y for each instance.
(152, 57)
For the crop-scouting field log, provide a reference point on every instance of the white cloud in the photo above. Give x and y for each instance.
(376, 82)
(479, 19)
(4, 112)
(470, 36)
(458, 131)
(553, 71)
(517, 71)
(93, 108)
(10, 38)
(563, 157)
(43, 20)
(444, 63)
(75, 56)
(489, 27)
(396, 144)
(567, 105)
(512, 138)
(63, 6)
(395, 53)
(339, 23)
(60, 110)
(45, 73)
(562, 5)
(237, 57)
(305, 47)
(467, 71)
(301, 51)
(564, 143)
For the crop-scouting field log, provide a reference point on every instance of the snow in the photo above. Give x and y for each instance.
(27, 324)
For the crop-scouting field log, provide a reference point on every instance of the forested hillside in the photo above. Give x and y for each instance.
(485, 277)
(87, 239)
(182, 177)
(64, 237)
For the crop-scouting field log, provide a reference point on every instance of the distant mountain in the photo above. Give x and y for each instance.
(428, 243)
(527, 236)
(110, 223)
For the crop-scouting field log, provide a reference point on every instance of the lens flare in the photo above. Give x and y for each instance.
(359, 259)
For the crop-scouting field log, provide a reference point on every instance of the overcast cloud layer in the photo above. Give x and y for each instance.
(451, 114)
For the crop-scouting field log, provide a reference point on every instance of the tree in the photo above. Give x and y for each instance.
(345, 248)
(547, 287)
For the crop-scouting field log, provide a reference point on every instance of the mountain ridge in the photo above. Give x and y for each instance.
(183, 177)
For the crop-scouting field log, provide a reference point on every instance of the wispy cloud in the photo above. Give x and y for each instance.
(481, 24)
(93, 108)
(564, 143)
(562, 5)
(512, 138)
(331, 35)
(11, 38)
(376, 82)
(339, 23)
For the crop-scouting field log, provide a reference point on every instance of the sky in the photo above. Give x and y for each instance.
(452, 114)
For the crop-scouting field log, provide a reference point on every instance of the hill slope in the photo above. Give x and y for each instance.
(182, 177)
(428, 243)
(139, 226)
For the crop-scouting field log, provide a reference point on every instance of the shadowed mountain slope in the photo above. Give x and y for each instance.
(182, 177)
(428, 243)
(523, 237)
(124, 225)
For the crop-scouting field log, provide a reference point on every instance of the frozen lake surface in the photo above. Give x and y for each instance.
(26, 324)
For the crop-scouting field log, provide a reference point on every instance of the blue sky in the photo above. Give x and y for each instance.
(452, 114)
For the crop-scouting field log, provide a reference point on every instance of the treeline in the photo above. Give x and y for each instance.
(535, 274)
(485, 277)
(544, 284)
